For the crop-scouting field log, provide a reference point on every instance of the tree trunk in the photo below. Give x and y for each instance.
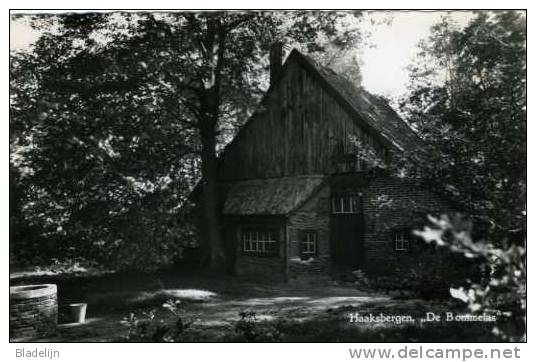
(211, 201)
(209, 114)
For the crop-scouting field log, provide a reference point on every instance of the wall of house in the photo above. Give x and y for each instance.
(390, 204)
(299, 129)
(257, 267)
(312, 216)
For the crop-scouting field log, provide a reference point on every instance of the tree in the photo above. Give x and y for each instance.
(468, 102)
(104, 168)
(218, 54)
(146, 92)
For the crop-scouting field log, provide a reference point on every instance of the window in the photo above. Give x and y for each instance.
(401, 241)
(260, 241)
(308, 244)
(346, 204)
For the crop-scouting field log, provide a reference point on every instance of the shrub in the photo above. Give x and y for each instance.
(502, 289)
(427, 275)
(246, 327)
(150, 328)
(249, 329)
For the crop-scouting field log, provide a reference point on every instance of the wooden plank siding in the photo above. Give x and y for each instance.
(295, 131)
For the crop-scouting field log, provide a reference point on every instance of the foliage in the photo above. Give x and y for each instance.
(115, 117)
(249, 329)
(467, 101)
(150, 328)
(102, 170)
(246, 326)
(428, 275)
(502, 290)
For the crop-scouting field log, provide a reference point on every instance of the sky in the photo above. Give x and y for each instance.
(383, 65)
(395, 45)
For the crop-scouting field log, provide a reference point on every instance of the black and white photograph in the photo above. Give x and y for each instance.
(268, 176)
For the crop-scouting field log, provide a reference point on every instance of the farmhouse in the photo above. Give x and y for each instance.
(298, 200)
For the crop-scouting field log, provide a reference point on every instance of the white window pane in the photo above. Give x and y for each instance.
(260, 241)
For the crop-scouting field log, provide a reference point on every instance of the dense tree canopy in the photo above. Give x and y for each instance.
(467, 100)
(115, 118)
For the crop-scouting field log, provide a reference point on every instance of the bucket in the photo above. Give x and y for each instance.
(78, 312)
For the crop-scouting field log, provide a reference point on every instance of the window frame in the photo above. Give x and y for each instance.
(308, 238)
(353, 201)
(255, 239)
(403, 244)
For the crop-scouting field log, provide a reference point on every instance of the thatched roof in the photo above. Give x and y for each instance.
(276, 196)
(374, 111)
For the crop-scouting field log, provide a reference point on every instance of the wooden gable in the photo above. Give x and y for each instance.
(303, 124)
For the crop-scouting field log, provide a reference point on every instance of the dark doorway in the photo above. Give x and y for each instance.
(347, 231)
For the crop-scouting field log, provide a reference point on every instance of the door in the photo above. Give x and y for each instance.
(347, 231)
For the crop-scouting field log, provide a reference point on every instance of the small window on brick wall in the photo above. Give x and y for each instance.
(401, 241)
(260, 242)
(308, 244)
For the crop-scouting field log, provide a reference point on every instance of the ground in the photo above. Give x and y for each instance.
(270, 312)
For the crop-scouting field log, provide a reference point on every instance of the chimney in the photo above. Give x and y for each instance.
(276, 61)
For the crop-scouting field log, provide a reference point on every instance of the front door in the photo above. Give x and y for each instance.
(347, 231)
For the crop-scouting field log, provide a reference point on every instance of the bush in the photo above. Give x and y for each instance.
(502, 289)
(427, 275)
(150, 328)
(250, 329)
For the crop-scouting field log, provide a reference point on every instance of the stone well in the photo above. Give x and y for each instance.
(33, 311)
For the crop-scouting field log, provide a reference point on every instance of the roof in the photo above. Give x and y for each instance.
(274, 196)
(374, 111)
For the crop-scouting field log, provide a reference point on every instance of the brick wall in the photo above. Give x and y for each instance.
(312, 216)
(259, 267)
(389, 204)
(33, 312)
